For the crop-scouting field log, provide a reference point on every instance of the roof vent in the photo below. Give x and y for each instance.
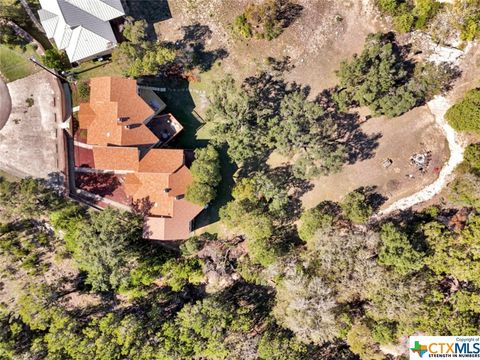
(130, 126)
(122, 118)
(166, 190)
(179, 197)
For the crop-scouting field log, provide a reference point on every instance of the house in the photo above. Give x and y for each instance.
(81, 27)
(154, 178)
(123, 114)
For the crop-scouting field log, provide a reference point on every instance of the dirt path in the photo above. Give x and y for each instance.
(438, 106)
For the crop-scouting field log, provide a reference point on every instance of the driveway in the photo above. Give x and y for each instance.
(31, 143)
(5, 103)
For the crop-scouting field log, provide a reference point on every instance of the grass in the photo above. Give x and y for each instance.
(14, 63)
(8, 177)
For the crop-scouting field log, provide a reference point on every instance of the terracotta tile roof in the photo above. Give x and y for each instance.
(162, 161)
(179, 181)
(176, 227)
(112, 98)
(115, 158)
(86, 115)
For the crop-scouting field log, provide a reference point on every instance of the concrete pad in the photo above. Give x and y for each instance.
(29, 140)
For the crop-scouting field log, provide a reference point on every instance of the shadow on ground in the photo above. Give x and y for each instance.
(151, 11)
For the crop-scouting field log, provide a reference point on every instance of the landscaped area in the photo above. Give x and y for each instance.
(14, 63)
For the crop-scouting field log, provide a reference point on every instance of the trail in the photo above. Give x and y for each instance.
(438, 106)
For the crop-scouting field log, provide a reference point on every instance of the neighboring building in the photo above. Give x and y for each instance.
(81, 27)
(121, 130)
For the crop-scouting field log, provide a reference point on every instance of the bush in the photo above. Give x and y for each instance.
(242, 27)
(356, 208)
(266, 20)
(206, 176)
(56, 59)
(83, 89)
(464, 115)
(313, 220)
(472, 156)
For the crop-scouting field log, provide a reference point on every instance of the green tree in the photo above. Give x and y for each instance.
(464, 115)
(105, 247)
(278, 344)
(361, 342)
(356, 208)
(139, 56)
(313, 220)
(396, 251)
(55, 59)
(206, 176)
(456, 256)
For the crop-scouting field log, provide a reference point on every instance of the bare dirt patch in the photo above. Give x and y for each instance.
(326, 33)
(414, 132)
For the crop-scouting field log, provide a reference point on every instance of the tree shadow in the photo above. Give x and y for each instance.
(360, 146)
(98, 184)
(372, 197)
(151, 11)
(191, 51)
(289, 12)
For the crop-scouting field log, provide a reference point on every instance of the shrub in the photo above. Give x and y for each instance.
(464, 115)
(83, 89)
(242, 27)
(266, 20)
(356, 208)
(313, 220)
(55, 59)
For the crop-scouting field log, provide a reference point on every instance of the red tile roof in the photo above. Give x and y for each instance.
(116, 158)
(162, 161)
(112, 98)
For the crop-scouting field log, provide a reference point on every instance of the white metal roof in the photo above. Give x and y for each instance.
(80, 27)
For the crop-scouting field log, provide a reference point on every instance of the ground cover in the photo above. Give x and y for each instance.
(14, 63)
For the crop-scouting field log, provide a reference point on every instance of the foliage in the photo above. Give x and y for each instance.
(463, 116)
(139, 56)
(206, 176)
(360, 340)
(9, 37)
(472, 156)
(312, 220)
(458, 256)
(179, 272)
(83, 89)
(465, 190)
(260, 118)
(307, 307)
(55, 59)
(266, 20)
(277, 344)
(409, 15)
(356, 207)
(383, 79)
(397, 252)
(103, 247)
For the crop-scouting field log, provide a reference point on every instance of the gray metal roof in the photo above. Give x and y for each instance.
(80, 27)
